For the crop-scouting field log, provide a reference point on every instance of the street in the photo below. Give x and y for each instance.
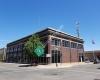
(10, 71)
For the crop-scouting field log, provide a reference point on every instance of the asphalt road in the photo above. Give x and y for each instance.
(82, 72)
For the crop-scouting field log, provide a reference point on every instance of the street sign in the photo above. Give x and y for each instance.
(39, 51)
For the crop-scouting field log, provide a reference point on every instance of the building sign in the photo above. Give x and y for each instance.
(39, 51)
(48, 55)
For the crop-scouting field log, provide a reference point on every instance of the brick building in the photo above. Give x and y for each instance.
(60, 47)
(90, 56)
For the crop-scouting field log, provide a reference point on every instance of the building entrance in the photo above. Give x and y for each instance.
(56, 56)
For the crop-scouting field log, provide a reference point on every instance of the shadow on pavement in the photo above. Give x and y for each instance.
(98, 68)
(27, 65)
(96, 79)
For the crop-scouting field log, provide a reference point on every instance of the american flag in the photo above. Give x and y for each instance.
(93, 42)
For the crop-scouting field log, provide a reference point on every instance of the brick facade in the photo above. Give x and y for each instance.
(67, 53)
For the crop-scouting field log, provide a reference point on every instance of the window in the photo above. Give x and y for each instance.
(73, 45)
(14, 49)
(19, 47)
(80, 46)
(65, 43)
(11, 49)
(56, 56)
(56, 42)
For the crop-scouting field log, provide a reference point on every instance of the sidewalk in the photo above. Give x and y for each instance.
(49, 66)
(61, 65)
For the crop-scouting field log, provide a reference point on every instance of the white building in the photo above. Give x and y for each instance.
(2, 54)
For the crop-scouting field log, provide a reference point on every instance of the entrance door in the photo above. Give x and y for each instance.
(56, 56)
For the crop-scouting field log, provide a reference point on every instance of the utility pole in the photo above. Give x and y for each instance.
(78, 35)
(77, 29)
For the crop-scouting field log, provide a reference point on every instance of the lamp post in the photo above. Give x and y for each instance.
(56, 56)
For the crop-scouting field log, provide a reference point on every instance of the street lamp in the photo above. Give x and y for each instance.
(56, 55)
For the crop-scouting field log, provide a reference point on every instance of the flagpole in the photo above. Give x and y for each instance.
(94, 58)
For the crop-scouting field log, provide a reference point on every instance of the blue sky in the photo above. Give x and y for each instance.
(19, 18)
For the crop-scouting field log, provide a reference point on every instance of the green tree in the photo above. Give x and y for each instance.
(32, 45)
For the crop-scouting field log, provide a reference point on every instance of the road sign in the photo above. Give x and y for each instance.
(39, 51)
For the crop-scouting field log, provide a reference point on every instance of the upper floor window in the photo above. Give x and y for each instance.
(14, 49)
(80, 46)
(65, 43)
(10, 49)
(56, 41)
(19, 47)
(73, 45)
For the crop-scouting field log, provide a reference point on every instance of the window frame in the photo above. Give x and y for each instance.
(73, 45)
(66, 43)
(56, 41)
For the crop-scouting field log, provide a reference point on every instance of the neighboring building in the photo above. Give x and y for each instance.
(2, 54)
(90, 56)
(60, 47)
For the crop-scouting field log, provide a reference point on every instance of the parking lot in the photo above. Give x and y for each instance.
(11, 71)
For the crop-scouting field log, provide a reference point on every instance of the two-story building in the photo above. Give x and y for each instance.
(60, 47)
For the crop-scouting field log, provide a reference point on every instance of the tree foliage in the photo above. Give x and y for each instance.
(32, 44)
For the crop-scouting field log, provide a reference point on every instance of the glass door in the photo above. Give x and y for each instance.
(56, 56)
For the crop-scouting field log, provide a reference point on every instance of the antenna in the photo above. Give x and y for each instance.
(77, 29)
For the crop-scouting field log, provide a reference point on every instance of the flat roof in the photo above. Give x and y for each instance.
(50, 28)
(57, 30)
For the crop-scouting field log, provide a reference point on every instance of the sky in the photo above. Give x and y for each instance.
(19, 18)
